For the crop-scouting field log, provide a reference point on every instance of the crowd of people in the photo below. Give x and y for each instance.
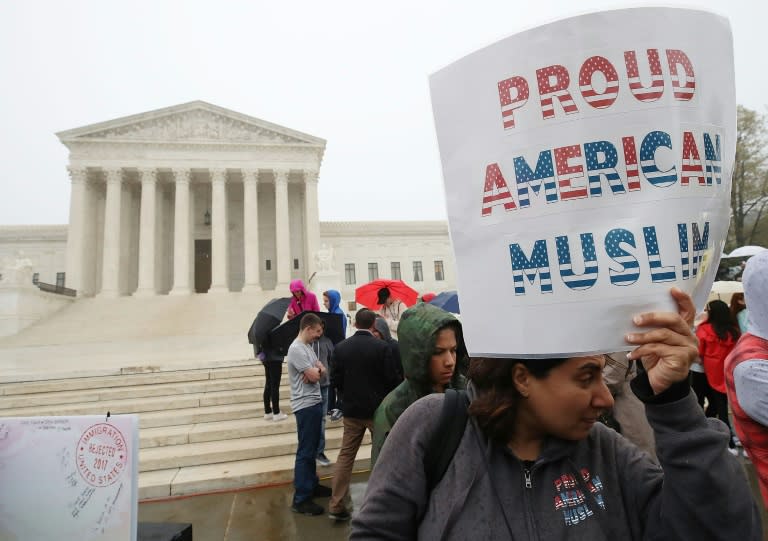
(535, 425)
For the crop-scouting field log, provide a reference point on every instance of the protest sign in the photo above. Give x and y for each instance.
(69, 478)
(587, 167)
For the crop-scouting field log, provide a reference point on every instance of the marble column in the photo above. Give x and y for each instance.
(75, 269)
(110, 266)
(251, 230)
(282, 231)
(182, 233)
(219, 246)
(311, 221)
(147, 232)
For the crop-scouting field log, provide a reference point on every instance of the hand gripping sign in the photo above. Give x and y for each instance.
(587, 167)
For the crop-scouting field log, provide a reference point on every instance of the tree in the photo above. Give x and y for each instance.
(749, 192)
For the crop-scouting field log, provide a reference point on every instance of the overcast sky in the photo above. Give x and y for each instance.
(354, 73)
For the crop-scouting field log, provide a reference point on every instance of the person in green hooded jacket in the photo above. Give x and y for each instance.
(432, 351)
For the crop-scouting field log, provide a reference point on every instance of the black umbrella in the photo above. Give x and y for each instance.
(267, 319)
(282, 336)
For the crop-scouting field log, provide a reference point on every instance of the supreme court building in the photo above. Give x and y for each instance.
(196, 198)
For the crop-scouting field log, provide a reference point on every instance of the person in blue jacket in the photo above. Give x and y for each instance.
(332, 302)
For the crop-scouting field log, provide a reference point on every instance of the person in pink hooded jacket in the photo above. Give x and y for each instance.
(302, 300)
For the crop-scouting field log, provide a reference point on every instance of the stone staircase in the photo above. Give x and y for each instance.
(201, 427)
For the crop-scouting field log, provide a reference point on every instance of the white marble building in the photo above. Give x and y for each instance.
(196, 198)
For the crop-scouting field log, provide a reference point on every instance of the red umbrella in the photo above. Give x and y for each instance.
(368, 294)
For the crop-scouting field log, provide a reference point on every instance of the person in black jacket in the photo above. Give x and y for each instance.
(363, 369)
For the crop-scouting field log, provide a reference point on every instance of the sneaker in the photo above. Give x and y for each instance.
(322, 491)
(342, 515)
(336, 415)
(279, 417)
(267, 416)
(734, 452)
(323, 460)
(307, 507)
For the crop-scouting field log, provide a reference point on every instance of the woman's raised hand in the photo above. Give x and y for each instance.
(668, 349)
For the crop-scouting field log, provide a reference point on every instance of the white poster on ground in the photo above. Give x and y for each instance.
(587, 167)
(69, 478)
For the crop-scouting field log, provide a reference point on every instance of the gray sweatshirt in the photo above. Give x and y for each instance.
(599, 488)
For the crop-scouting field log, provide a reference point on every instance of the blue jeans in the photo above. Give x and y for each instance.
(305, 471)
(321, 445)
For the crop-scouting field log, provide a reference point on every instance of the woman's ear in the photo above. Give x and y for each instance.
(521, 379)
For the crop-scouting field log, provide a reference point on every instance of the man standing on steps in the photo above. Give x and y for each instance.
(305, 371)
(364, 371)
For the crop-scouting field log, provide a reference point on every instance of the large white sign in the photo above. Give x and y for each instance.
(69, 478)
(587, 167)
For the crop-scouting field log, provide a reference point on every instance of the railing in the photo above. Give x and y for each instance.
(60, 290)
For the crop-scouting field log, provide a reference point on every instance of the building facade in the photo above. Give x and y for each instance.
(196, 198)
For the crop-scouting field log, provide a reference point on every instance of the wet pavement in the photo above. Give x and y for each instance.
(264, 514)
(260, 514)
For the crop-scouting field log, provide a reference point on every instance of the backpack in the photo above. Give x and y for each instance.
(444, 442)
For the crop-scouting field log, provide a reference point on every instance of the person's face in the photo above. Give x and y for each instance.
(326, 302)
(443, 360)
(568, 401)
(298, 294)
(312, 333)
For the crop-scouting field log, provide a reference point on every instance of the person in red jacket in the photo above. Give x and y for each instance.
(717, 337)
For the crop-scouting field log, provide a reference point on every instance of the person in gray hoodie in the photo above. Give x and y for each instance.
(534, 463)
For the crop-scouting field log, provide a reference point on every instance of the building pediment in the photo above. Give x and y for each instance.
(188, 123)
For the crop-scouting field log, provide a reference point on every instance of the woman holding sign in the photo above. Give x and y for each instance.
(534, 463)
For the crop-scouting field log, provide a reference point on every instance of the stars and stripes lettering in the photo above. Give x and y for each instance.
(509, 102)
(630, 160)
(620, 252)
(691, 261)
(641, 92)
(682, 238)
(712, 159)
(659, 273)
(650, 144)
(683, 81)
(599, 84)
(526, 178)
(495, 191)
(553, 83)
(600, 64)
(692, 168)
(586, 279)
(630, 267)
(567, 173)
(524, 267)
(601, 159)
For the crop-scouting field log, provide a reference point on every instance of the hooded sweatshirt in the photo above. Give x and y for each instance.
(417, 336)
(334, 299)
(746, 371)
(307, 302)
(601, 488)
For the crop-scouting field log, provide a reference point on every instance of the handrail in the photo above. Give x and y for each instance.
(60, 290)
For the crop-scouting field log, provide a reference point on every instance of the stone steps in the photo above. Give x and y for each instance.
(202, 428)
(273, 470)
(130, 392)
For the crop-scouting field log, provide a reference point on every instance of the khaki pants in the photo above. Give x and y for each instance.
(628, 410)
(354, 430)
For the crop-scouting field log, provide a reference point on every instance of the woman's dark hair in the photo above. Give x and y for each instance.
(495, 407)
(383, 295)
(737, 304)
(721, 320)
